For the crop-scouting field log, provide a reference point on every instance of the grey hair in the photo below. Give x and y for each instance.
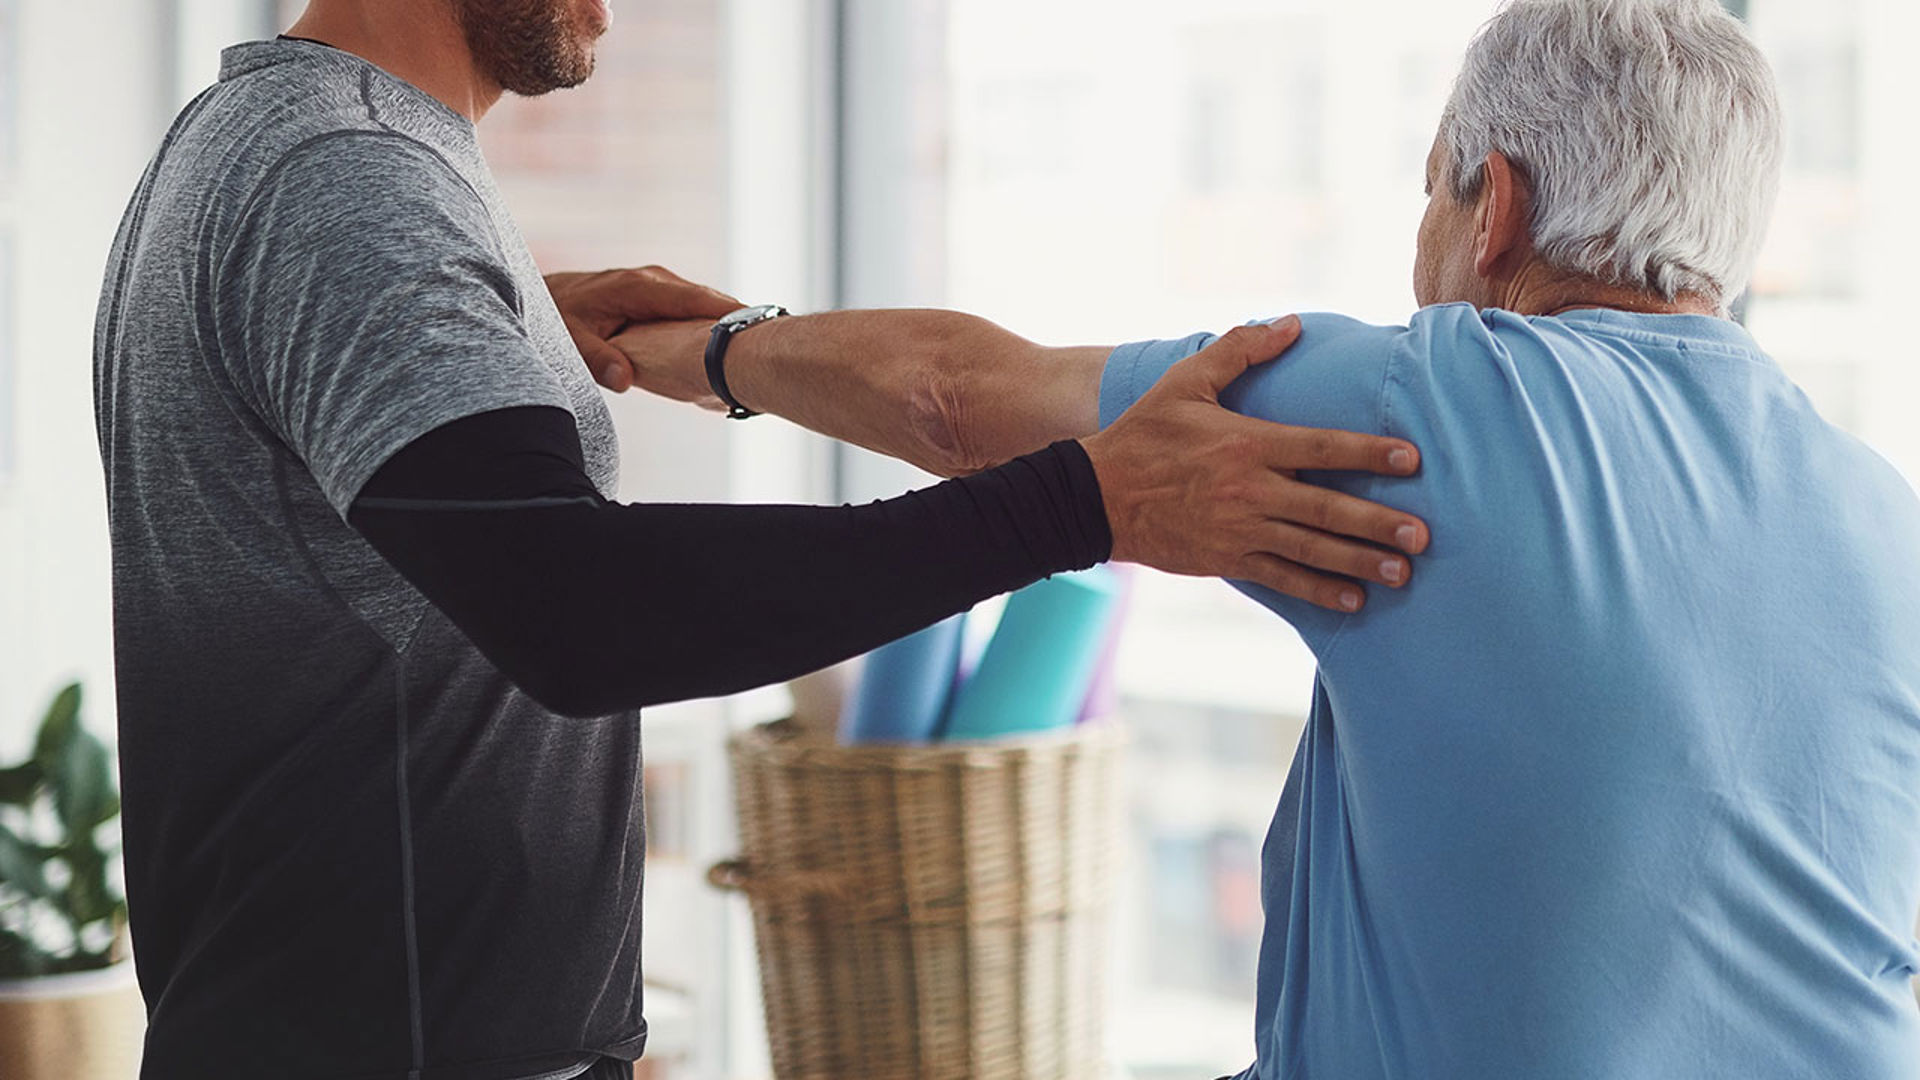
(1649, 131)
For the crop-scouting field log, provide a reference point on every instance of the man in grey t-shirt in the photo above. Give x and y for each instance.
(382, 801)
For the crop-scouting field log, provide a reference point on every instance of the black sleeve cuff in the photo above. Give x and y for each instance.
(1088, 533)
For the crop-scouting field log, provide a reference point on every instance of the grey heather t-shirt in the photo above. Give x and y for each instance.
(353, 848)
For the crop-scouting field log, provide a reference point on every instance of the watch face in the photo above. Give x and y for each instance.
(750, 315)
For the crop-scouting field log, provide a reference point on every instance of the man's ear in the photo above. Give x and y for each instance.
(1501, 220)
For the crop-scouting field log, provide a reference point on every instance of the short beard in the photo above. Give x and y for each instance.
(528, 47)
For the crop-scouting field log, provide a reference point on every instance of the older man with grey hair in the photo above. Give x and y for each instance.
(1626, 782)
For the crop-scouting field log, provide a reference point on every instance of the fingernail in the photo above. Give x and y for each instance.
(1392, 570)
(1350, 600)
(1401, 460)
(1405, 537)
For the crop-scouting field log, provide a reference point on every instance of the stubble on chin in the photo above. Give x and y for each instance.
(528, 47)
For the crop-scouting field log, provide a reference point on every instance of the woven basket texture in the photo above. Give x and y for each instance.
(930, 912)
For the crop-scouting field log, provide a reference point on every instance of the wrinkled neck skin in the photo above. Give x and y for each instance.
(419, 41)
(1536, 289)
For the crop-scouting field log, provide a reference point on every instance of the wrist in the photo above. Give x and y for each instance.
(1090, 509)
(746, 363)
(1110, 477)
(719, 343)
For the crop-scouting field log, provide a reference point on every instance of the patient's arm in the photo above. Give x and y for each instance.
(948, 392)
(955, 394)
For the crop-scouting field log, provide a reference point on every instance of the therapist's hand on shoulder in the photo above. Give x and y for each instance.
(1192, 488)
(598, 306)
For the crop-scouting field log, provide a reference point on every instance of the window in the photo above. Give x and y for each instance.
(1102, 172)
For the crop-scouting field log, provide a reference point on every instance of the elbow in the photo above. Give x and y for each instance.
(943, 406)
(936, 418)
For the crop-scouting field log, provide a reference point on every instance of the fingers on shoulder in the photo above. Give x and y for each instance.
(1284, 446)
(1238, 349)
(1292, 579)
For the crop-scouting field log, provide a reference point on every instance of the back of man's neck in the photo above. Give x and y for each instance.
(1544, 293)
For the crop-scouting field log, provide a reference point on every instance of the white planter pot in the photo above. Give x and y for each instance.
(83, 1026)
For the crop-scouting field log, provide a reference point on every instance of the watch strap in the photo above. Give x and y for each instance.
(716, 357)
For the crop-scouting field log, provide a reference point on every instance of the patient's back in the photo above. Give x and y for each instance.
(1626, 782)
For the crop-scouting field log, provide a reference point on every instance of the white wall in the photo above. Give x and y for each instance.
(1890, 85)
(93, 97)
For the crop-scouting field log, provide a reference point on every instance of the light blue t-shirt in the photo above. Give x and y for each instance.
(1626, 782)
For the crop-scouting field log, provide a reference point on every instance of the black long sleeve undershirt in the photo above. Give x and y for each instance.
(593, 607)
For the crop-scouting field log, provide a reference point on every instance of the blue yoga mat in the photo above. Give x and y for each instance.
(905, 687)
(1037, 669)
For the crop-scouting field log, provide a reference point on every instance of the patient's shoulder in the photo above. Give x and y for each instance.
(1455, 351)
(1456, 335)
(1459, 331)
(1333, 377)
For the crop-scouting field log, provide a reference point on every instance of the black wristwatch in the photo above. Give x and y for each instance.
(723, 332)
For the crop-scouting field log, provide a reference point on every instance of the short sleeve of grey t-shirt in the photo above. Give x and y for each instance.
(364, 300)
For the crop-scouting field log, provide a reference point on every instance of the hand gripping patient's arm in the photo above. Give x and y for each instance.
(954, 393)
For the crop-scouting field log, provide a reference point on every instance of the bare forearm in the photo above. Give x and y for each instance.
(949, 392)
(1186, 486)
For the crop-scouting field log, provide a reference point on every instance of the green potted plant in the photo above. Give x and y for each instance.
(68, 1003)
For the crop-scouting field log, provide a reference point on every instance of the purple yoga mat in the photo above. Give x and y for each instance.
(1103, 696)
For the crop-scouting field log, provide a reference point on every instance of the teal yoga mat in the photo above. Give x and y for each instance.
(1040, 663)
(905, 687)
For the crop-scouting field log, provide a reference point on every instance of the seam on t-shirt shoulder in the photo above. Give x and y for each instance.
(493, 229)
(1727, 349)
(1681, 344)
(1383, 412)
(215, 271)
(286, 159)
(210, 271)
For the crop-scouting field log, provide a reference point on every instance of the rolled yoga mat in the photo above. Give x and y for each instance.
(1036, 671)
(905, 687)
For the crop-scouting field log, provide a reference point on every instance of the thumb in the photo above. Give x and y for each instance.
(1214, 368)
(609, 365)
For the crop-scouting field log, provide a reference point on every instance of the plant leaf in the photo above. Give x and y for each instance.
(56, 730)
(21, 958)
(83, 784)
(88, 900)
(23, 866)
(20, 784)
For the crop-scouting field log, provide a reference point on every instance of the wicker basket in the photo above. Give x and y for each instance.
(930, 913)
